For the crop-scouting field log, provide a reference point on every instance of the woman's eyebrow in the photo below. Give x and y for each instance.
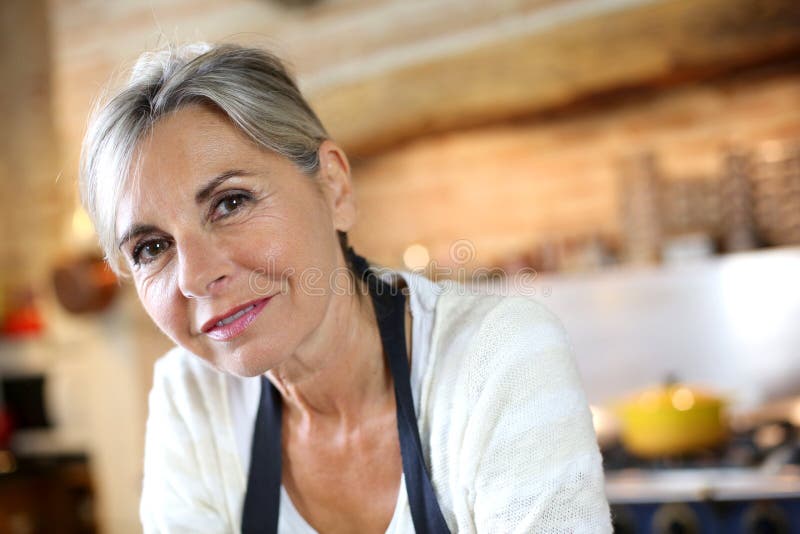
(135, 231)
(205, 191)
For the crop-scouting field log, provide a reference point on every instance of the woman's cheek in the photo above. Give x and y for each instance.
(270, 259)
(160, 303)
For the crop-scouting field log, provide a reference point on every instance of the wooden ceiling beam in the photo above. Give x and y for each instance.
(508, 77)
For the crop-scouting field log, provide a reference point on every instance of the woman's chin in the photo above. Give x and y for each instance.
(244, 365)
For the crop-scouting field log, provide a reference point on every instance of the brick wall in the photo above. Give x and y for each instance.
(510, 186)
(32, 199)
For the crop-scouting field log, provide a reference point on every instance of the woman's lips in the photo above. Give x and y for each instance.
(233, 325)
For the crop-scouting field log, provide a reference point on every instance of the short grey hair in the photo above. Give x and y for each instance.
(249, 85)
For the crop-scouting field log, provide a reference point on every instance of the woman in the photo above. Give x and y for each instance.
(298, 399)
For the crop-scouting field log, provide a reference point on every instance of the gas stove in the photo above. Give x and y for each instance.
(750, 486)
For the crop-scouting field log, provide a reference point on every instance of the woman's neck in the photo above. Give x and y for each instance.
(339, 376)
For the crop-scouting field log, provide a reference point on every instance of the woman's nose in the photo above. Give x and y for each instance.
(203, 268)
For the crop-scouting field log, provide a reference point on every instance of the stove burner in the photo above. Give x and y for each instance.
(753, 448)
(749, 486)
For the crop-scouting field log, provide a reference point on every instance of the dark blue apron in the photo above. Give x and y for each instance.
(262, 500)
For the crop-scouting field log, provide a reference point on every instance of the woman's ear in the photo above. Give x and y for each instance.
(337, 185)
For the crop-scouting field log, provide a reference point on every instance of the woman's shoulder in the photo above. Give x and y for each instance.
(471, 323)
(500, 318)
(184, 380)
(506, 416)
(499, 345)
(460, 306)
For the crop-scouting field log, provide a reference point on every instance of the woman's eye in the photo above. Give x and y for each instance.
(149, 250)
(228, 204)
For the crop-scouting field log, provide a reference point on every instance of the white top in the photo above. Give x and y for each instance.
(504, 424)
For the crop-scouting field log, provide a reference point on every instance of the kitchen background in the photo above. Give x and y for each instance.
(641, 157)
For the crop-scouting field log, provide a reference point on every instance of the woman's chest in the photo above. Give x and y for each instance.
(347, 484)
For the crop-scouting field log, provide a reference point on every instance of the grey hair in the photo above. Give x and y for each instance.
(249, 85)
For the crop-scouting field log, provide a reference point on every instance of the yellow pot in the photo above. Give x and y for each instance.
(672, 420)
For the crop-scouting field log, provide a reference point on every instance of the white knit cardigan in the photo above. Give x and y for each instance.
(504, 424)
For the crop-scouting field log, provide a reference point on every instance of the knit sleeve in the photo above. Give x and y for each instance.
(174, 497)
(540, 469)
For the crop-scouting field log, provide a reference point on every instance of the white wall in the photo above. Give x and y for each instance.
(730, 323)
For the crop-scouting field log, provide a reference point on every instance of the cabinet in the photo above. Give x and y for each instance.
(47, 494)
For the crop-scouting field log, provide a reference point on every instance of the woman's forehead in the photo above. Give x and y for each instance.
(187, 149)
(190, 137)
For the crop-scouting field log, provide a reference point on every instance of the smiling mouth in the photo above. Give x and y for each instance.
(234, 324)
(229, 320)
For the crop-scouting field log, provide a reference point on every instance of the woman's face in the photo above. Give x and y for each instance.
(232, 247)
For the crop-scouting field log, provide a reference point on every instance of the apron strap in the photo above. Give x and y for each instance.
(263, 497)
(425, 511)
(262, 500)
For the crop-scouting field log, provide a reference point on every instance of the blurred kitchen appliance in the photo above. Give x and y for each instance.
(295, 4)
(753, 201)
(776, 193)
(85, 284)
(672, 419)
(24, 399)
(729, 323)
(738, 225)
(46, 494)
(45, 486)
(689, 205)
(22, 317)
(640, 199)
(750, 486)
